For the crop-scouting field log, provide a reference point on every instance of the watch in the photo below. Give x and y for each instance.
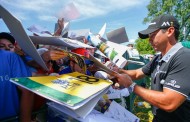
(131, 87)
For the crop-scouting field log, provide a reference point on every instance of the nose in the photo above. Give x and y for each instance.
(7, 47)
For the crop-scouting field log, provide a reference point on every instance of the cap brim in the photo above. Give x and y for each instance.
(144, 34)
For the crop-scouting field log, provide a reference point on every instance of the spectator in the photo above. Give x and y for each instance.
(13, 66)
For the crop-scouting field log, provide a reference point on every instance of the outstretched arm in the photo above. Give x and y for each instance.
(165, 100)
(60, 27)
(134, 74)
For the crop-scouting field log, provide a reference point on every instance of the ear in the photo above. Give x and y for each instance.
(171, 31)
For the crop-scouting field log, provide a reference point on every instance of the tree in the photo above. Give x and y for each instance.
(178, 8)
(143, 46)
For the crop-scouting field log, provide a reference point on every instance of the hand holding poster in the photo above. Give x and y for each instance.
(58, 53)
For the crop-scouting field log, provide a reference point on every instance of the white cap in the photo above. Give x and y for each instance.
(42, 50)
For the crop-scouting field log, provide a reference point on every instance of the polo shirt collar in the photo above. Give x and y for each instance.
(171, 52)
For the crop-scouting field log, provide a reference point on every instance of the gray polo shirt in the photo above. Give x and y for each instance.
(172, 71)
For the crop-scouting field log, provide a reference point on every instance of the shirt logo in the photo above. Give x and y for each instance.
(173, 84)
(165, 24)
(4, 78)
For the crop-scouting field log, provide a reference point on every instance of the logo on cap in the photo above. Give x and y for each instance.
(153, 23)
(165, 24)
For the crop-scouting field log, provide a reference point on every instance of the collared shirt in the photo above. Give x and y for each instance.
(172, 72)
(158, 76)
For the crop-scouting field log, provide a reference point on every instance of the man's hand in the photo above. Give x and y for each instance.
(19, 51)
(60, 23)
(123, 80)
(54, 54)
(57, 54)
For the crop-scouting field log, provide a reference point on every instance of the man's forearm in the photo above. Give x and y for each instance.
(134, 74)
(26, 105)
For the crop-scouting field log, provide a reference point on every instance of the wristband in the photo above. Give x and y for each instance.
(131, 87)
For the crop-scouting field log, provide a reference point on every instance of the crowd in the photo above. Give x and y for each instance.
(168, 71)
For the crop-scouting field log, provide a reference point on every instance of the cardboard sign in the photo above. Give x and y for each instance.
(76, 92)
(118, 36)
(68, 12)
(59, 41)
(69, 89)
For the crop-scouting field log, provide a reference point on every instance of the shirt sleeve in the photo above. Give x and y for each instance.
(149, 67)
(178, 77)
